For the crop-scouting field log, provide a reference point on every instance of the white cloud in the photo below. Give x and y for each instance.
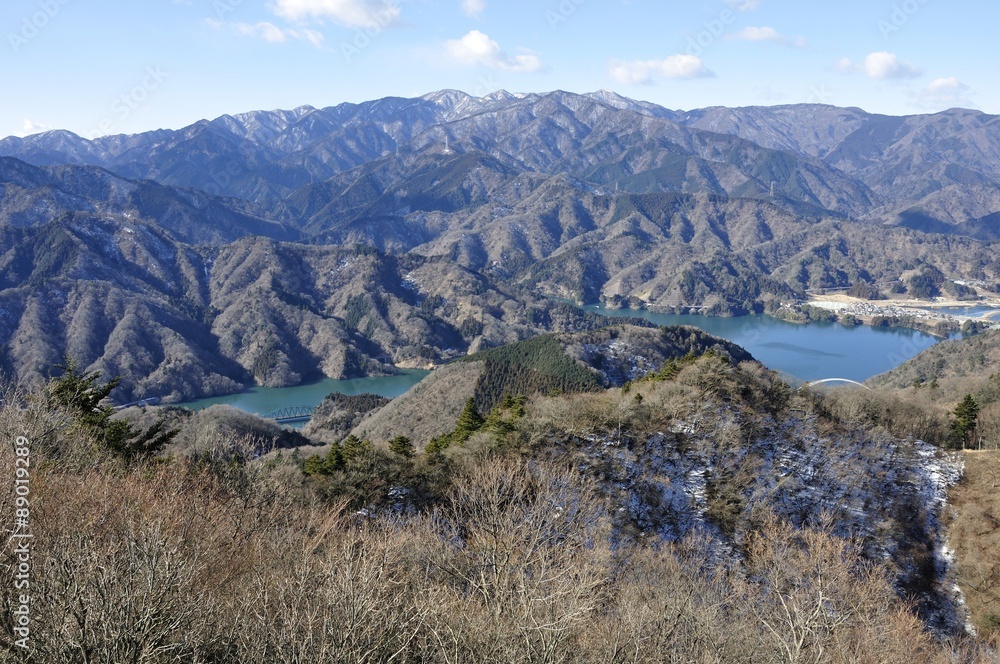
(944, 93)
(637, 72)
(476, 48)
(269, 32)
(845, 65)
(473, 8)
(883, 64)
(743, 5)
(30, 127)
(352, 13)
(764, 33)
(880, 65)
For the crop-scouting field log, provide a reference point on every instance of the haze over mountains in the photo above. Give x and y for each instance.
(275, 246)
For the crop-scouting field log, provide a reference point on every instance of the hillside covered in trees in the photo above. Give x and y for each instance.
(347, 241)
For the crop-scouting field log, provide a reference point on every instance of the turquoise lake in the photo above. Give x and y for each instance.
(264, 400)
(803, 352)
(800, 352)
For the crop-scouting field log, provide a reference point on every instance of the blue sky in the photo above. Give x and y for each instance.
(118, 66)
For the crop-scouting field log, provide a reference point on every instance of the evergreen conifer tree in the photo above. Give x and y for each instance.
(82, 395)
(469, 422)
(402, 446)
(966, 419)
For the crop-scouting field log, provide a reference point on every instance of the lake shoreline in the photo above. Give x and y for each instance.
(934, 316)
(262, 400)
(801, 350)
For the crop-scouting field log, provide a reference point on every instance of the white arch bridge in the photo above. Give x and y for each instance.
(836, 380)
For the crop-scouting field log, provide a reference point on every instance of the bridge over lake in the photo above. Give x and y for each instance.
(290, 414)
(148, 401)
(837, 380)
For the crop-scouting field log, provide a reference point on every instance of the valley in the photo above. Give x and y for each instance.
(360, 332)
(350, 241)
(800, 353)
(548, 360)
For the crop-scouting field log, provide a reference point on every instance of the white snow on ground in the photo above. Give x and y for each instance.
(890, 494)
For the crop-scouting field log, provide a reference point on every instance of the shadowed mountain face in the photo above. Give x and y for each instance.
(177, 321)
(278, 246)
(31, 197)
(940, 167)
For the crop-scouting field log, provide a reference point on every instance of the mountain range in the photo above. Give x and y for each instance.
(843, 160)
(283, 245)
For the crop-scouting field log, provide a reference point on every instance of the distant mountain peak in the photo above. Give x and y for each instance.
(503, 95)
(827, 158)
(610, 97)
(58, 133)
(622, 103)
(446, 97)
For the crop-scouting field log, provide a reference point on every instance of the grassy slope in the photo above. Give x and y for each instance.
(428, 409)
(975, 536)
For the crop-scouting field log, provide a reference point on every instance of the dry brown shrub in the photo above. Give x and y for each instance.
(817, 600)
(576, 412)
(661, 608)
(210, 559)
(345, 598)
(898, 415)
(516, 559)
(119, 567)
